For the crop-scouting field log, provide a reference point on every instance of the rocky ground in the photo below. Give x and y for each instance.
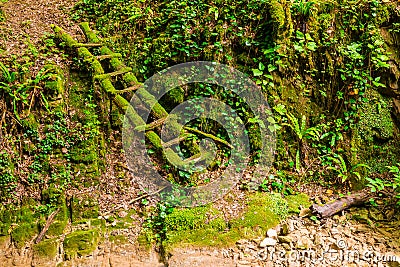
(302, 242)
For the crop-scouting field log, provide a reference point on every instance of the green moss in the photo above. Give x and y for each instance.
(80, 243)
(118, 239)
(206, 226)
(46, 248)
(30, 122)
(263, 212)
(374, 141)
(295, 201)
(145, 240)
(23, 233)
(107, 86)
(4, 228)
(189, 219)
(375, 118)
(55, 85)
(281, 17)
(66, 38)
(175, 97)
(84, 208)
(94, 64)
(56, 228)
(4, 240)
(86, 152)
(154, 139)
(56, 198)
(150, 101)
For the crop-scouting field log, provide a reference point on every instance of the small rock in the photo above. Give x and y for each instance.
(272, 233)
(285, 239)
(303, 243)
(305, 212)
(122, 214)
(241, 242)
(244, 262)
(267, 242)
(284, 229)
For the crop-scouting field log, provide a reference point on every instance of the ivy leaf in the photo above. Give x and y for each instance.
(261, 66)
(257, 72)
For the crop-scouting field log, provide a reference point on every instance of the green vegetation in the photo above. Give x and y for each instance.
(327, 68)
(47, 248)
(207, 226)
(80, 243)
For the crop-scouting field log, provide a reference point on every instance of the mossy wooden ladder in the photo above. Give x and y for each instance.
(105, 82)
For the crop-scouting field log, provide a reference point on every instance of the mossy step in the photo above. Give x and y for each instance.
(129, 89)
(176, 140)
(112, 74)
(80, 243)
(87, 45)
(150, 126)
(113, 55)
(46, 248)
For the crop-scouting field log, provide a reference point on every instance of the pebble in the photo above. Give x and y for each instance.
(272, 233)
(297, 235)
(267, 242)
(285, 239)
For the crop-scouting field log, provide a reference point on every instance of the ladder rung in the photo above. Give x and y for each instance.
(112, 74)
(150, 126)
(176, 140)
(115, 55)
(129, 89)
(87, 45)
(213, 137)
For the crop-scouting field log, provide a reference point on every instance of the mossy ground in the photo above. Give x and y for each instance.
(206, 226)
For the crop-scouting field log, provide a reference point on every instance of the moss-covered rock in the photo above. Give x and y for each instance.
(295, 202)
(374, 141)
(23, 233)
(4, 228)
(80, 243)
(46, 248)
(84, 208)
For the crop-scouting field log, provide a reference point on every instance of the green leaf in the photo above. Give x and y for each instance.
(261, 66)
(257, 72)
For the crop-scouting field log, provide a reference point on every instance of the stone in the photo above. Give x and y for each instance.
(285, 239)
(272, 233)
(303, 243)
(122, 214)
(267, 242)
(284, 229)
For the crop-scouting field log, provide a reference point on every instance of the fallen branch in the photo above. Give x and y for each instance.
(46, 226)
(356, 199)
(133, 201)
